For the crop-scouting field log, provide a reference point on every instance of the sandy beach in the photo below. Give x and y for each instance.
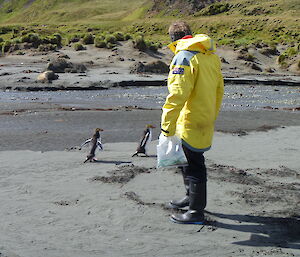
(54, 205)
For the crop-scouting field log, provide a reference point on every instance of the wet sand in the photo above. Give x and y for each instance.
(60, 130)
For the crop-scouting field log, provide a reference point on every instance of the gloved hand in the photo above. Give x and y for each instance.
(162, 136)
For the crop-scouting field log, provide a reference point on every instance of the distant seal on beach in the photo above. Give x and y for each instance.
(95, 141)
(47, 77)
(146, 138)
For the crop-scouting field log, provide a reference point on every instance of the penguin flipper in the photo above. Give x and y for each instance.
(135, 154)
(86, 142)
(99, 145)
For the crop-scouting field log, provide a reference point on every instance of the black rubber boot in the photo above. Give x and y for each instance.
(195, 214)
(185, 201)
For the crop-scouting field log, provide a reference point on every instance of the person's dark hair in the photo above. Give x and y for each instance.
(178, 30)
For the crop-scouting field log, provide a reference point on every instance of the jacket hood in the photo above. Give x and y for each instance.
(199, 42)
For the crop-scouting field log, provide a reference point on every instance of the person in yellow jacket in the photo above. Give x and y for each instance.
(196, 88)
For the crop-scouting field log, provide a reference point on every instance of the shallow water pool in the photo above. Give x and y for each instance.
(236, 97)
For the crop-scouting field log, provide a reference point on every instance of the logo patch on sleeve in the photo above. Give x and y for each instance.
(178, 70)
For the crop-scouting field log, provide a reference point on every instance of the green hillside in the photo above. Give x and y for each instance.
(55, 11)
(230, 22)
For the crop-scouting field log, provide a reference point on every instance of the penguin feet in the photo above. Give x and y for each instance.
(137, 154)
(89, 159)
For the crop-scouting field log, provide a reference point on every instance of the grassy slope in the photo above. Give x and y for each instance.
(244, 22)
(58, 11)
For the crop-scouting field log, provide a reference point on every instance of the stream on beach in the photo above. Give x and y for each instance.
(236, 97)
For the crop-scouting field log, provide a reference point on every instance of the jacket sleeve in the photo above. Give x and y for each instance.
(219, 94)
(180, 85)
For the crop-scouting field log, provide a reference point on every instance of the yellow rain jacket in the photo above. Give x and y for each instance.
(196, 88)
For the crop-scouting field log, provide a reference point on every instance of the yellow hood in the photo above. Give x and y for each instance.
(199, 42)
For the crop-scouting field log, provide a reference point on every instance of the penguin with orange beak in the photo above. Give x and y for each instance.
(144, 142)
(95, 142)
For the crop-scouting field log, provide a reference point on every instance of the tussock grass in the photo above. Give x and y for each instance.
(235, 22)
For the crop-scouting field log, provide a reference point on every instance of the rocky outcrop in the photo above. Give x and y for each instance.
(61, 65)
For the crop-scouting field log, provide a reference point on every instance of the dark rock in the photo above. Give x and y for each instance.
(270, 70)
(243, 50)
(269, 51)
(76, 68)
(137, 68)
(58, 65)
(27, 46)
(89, 63)
(153, 67)
(246, 56)
(13, 48)
(253, 66)
(65, 56)
(223, 60)
(139, 44)
(20, 53)
(61, 65)
(258, 45)
(157, 67)
(5, 74)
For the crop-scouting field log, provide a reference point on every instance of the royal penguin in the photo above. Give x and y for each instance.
(95, 142)
(145, 140)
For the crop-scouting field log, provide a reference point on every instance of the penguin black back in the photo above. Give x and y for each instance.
(146, 138)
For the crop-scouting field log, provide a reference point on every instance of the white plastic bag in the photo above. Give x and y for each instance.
(170, 152)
